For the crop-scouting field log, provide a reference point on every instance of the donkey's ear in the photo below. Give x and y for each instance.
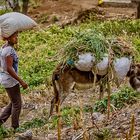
(137, 69)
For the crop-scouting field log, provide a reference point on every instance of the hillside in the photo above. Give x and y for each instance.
(40, 50)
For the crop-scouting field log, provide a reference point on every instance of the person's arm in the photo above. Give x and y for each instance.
(9, 62)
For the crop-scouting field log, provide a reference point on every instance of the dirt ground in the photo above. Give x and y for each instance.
(66, 10)
(71, 6)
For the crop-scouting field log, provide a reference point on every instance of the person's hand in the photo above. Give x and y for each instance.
(23, 84)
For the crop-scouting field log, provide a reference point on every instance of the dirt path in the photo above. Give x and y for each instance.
(70, 6)
(64, 10)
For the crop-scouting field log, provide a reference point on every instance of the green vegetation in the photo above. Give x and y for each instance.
(39, 51)
(34, 123)
(96, 43)
(104, 134)
(3, 11)
(126, 96)
(4, 132)
(89, 41)
(71, 116)
(68, 114)
(3, 8)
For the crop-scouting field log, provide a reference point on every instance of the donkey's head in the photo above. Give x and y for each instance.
(134, 75)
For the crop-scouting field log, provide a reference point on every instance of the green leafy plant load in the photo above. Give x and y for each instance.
(96, 43)
(89, 41)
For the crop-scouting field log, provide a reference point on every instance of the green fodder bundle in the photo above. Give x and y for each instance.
(89, 41)
(97, 44)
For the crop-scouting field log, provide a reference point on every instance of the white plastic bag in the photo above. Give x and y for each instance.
(121, 67)
(85, 62)
(14, 21)
(102, 66)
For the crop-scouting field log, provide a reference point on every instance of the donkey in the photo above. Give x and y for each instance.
(64, 78)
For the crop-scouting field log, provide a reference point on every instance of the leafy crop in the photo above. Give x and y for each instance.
(34, 123)
(4, 132)
(67, 114)
(118, 100)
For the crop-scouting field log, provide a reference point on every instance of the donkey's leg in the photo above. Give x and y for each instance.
(63, 86)
(56, 94)
(53, 102)
(67, 87)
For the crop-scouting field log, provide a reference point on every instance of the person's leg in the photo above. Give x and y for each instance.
(15, 97)
(6, 113)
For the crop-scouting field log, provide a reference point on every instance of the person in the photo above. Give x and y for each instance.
(10, 80)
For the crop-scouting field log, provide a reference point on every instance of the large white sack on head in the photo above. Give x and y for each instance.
(102, 66)
(121, 67)
(8, 27)
(22, 22)
(85, 62)
(22, 19)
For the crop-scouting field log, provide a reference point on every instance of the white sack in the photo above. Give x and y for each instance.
(8, 27)
(121, 67)
(85, 62)
(102, 66)
(14, 21)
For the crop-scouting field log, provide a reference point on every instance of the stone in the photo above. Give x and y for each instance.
(25, 136)
(98, 116)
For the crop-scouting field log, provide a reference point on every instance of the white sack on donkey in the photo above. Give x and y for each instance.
(85, 62)
(121, 67)
(102, 66)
